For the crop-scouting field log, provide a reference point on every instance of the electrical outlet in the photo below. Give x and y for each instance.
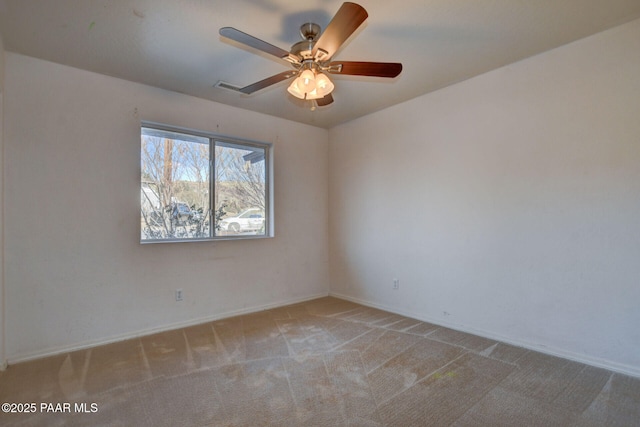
(179, 295)
(396, 284)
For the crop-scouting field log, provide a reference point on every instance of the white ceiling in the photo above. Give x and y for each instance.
(174, 44)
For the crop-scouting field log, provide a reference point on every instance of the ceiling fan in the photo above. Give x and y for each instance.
(311, 57)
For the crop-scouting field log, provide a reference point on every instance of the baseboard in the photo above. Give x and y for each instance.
(143, 332)
(576, 357)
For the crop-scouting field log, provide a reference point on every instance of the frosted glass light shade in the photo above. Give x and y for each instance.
(293, 90)
(322, 86)
(306, 81)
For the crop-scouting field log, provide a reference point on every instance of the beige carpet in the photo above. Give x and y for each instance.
(326, 362)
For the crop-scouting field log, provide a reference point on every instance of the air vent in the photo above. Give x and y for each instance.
(227, 86)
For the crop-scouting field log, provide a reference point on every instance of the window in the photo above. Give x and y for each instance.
(195, 186)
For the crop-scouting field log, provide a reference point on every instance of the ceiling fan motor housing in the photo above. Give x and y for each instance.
(303, 49)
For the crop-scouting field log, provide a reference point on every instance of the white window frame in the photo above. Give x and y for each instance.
(227, 141)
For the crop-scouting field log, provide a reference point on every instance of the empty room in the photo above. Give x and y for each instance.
(320, 213)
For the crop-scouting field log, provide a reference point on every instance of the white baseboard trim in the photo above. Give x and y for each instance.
(576, 357)
(149, 331)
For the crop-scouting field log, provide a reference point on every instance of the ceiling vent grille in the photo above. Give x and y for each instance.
(227, 86)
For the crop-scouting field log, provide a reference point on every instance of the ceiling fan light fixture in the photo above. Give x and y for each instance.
(310, 57)
(293, 90)
(322, 86)
(306, 81)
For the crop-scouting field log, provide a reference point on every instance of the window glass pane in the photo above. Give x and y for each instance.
(179, 182)
(174, 190)
(240, 189)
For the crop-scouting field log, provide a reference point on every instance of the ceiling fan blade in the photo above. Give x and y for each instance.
(348, 18)
(328, 99)
(268, 82)
(373, 69)
(246, 39)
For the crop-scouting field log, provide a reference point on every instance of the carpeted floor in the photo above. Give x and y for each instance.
(326, 362)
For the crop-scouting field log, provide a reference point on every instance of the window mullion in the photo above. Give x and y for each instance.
(212, 188)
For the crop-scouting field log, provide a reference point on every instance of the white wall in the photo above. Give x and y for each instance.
(507, 205)
(76, 274)
(3, 362)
